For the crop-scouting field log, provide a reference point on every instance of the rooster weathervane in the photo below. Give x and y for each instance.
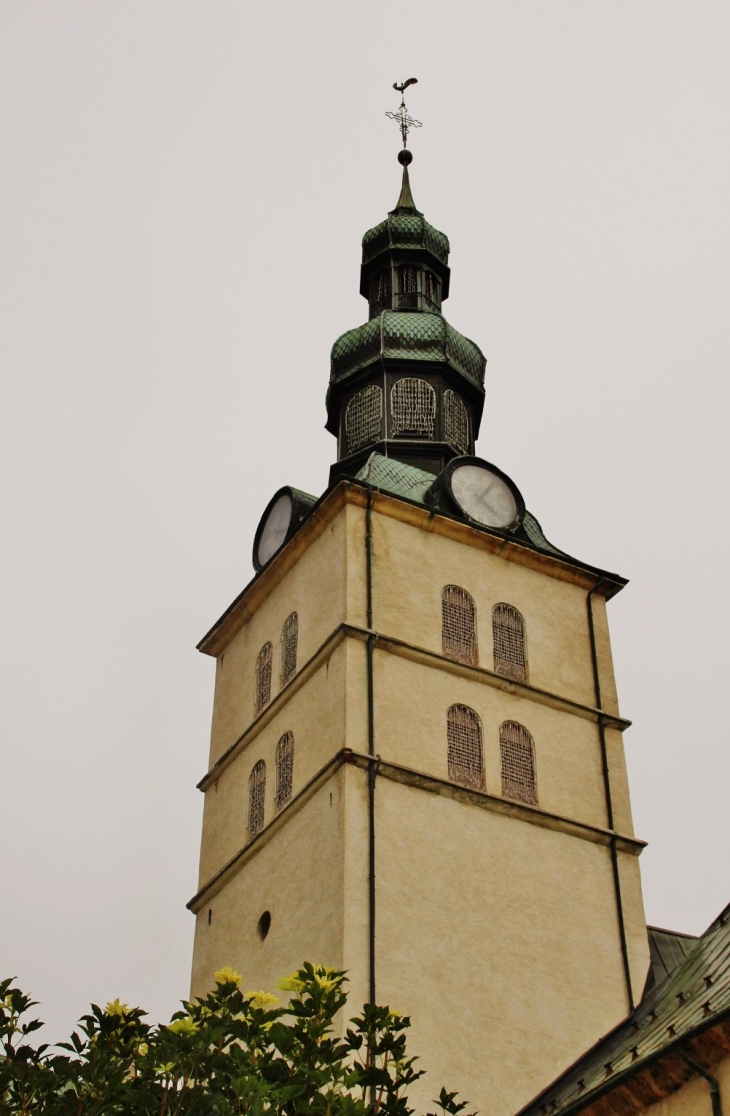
(401, 117)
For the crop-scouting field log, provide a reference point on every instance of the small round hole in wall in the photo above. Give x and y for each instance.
(264, 924)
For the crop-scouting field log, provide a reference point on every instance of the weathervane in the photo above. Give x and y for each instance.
(404, 121)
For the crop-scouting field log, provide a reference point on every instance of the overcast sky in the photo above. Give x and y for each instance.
(184, 189)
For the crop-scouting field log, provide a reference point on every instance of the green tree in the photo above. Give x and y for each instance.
(231, 1052)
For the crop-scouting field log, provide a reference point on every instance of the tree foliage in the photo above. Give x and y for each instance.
(231, 1052)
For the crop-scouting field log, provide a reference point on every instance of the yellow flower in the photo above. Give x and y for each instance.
(227, 975)
(290, 984)
(183, 1026)
(324, 977)
(116, 1007)
(262, 999)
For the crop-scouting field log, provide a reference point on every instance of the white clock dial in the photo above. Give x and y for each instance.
(483, 496)
(275, 528)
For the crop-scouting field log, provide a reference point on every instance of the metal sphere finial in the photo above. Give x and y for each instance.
(405, 158)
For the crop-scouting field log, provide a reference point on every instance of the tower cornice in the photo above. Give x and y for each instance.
(351, 491)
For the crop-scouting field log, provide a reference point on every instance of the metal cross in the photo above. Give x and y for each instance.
(404, 121)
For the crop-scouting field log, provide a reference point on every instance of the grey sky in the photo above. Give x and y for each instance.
(184, 189)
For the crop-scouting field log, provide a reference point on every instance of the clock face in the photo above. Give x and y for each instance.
(483, 496)
(275, 528)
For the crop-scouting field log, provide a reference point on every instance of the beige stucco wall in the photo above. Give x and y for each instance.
(316, 740)
(411, 702)
(315, 590)
(411, 566)
(498, 938)
(298, 877)
(512, 925)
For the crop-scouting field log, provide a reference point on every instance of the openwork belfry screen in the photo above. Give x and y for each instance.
(364, 417)
(256, 797)
(262, 685)
(412, 407)
(384, 286)
(458, 624)
(510, 644)
(517, 751)
(466, 760)
(289, 640)
(456, 421)
(284, 769)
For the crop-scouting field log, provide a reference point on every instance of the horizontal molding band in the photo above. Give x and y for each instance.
(414, 653)
(432, 784)
(491, 678)
(399, 773)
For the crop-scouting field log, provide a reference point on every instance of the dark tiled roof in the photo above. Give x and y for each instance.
(668, 949)
(693, 997)
(402, 335)
(405, 230)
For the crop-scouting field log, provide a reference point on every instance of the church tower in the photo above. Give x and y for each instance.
(416, 766)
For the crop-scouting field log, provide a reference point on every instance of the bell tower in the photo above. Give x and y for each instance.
(416, 765)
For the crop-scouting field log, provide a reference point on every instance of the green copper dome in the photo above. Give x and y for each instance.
(400, 335)
(404, 230)
(405, 227)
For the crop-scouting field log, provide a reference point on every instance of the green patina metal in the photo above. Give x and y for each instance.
(404, 335)
(393, 476)
(407, 229)
(396, 477)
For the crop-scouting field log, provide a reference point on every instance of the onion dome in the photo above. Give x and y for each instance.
(406, 232)
(396, 335)
(405, 384)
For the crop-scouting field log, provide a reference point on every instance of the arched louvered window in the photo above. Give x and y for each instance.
(364, 417)
(256, 798)
(289, 640)
(262, 695)
(456, 422)
(464, 734)
(412, 407)
(517, 750)
(458, 624)
(510, 642)
(284, 769)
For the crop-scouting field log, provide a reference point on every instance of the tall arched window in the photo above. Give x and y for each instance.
(464, 734)
(510, 643)
(412, 407)
(458, 624)
(289, 640)
(364, 417)
(517, 750)
(456, 421)
(262, 695)
(284, 769)
(256, 798)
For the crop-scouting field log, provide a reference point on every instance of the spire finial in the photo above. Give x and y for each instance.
(405, 123)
